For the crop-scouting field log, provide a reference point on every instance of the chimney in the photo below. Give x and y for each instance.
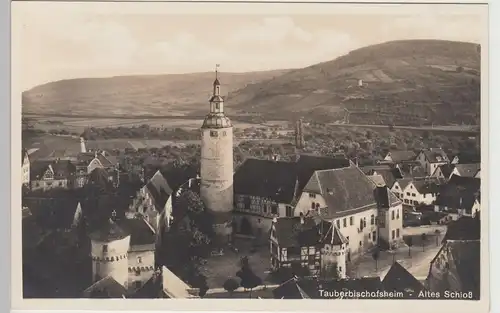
(189, 182)
(382, 197)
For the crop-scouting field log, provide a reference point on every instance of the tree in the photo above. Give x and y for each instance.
(375, 256)
(230, 285)
(423, 237)
(409, 242)
(248, 278)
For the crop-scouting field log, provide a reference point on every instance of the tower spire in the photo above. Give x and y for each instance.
(216, 81)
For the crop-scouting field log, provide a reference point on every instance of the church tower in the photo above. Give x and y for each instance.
(217, 165)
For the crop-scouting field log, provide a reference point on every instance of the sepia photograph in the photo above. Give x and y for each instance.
(244, 151)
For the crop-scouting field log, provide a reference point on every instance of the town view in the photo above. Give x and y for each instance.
(355, 175)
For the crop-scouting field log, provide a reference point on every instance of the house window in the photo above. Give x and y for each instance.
(397, 233)
(313, 206)
(274, 209)
(339, 269)
(374, 236)
(407, 193)
(369, 236)
(338, 223)
(372, 219)
(392, 215)
(105, 248)
(393, 233)
(351, 220)
(345, 222)
(264, 208)
(364, 221)
(312, 195)
(224, 133)
(397, 214)
(413, 195)
(213, 133)
(293, 251)
(347, 240)
(396, 187)
(289, 211)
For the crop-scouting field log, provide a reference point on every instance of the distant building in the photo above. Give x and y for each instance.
(466, 170)
(25, 165)
(389, 173)
(88, 161)
(306, 242)
(460, 195)
(421, 191)
(153, 202)
(432, 158)
(456, 267)
(397, 157)
(466, 158)
(444, 171)
(45, 175)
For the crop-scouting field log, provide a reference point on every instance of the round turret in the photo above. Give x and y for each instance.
(109, 250)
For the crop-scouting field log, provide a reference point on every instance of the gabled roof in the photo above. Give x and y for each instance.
(468, 157)
(290, 232)
(468, 170)
(399, 156)
(377, 179)
(307, 164)
(290, 290)
(159, 190)
(427, 185)
(344, 190)
(456, 267)
(465, 228)
(270, 179)
(399, 279)
(62, 169)
(108, 232)
(403, 182)
(140, 233)
(465, 182)
(107, 287)
(446, 169)
(435, 155)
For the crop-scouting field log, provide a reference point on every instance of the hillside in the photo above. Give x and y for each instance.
(405, 82)
(411, 82)
(175, 94)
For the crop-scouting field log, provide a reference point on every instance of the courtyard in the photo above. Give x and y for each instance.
(219, 268)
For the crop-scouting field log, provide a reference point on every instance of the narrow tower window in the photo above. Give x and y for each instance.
(217, 106)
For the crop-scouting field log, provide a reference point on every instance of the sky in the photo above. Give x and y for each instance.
(53, 41)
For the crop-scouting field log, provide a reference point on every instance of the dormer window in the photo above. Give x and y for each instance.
(330, 192)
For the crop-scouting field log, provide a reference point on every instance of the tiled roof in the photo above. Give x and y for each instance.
(399, 156)
(290, 289)
(174, 287)
(428, 185)
(109, 231)
(307, 164)
(403, 182)
(468, 170)
(468, 157)
(465, 182)
(140, 233)
(399, 279)
(456, 267)
(53, 210)
(435, 155)
(344, 189)
(159, 190)
(107, 287)
(62, 169)
(290, 232)
(446, 169)
(377, 179)
(465, 228)
(275, 180)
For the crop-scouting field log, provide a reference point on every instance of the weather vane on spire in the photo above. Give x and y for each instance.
(216, 69)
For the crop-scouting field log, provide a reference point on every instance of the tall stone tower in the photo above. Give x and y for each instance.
(217, 165)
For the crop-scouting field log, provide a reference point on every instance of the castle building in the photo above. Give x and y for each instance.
(216, 171)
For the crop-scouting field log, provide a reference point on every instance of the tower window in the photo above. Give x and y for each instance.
(217, 106)
(105, 248)
(224, 133)
(213, 133)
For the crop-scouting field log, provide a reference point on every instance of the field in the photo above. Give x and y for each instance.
(78, 124)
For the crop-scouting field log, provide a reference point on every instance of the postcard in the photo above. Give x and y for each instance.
(204, 154)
